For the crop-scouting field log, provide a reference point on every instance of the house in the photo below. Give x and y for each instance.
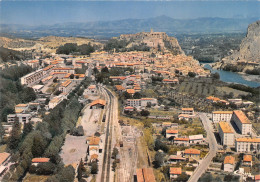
(175, 172)
(257, 178)
(91, 90)
(213, 99)
(94, 158)
(4, 157)
(221, 116)
(129, 108)
(93, 145)
(176, 158)
(226, 134)
(67, 70)
(97, 104)
(120, 88)
(188, 111)
(130, 91)
(169, 125)
(168, 81)
(19, 108)
(171, 133)
(36, 161)
(146, 101)
(192, 153)
(229, 163)
(196, 139)
(145, 175)
(247, 160)
(182, 141)
(184, 116)
(247, 144)
(7, 128)
(242, 122)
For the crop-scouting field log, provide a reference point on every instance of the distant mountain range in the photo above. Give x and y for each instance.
(115, 28)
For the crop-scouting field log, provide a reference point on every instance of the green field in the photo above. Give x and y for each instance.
(207, 89)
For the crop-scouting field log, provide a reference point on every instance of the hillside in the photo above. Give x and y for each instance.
(154, 40)
(46, 44)
(8, 55)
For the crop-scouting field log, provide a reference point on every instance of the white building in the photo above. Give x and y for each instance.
(195, 139)
(54, 102)
(66, 86)
(22, 118)
(229, 163)
(91, 90)
(221, 116)
(247, 144)
(242, 122)
(141, 102)
(226, 134)
(32, 78)
(188, 111)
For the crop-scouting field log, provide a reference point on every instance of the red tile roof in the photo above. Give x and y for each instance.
(229, 160)
(40, 160)
(175, 170)
(192, 151)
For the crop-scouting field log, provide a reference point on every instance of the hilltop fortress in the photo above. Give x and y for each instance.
(155, 40)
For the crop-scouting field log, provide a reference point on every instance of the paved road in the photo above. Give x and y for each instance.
(213, 146)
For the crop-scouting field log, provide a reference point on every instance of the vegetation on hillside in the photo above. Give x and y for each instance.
(11, 90)
(71, 48)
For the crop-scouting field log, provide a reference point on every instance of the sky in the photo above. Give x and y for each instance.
(35, 12)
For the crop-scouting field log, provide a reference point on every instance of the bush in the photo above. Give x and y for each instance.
(145, 113)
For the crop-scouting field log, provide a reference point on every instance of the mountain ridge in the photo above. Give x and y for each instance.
(125, 26)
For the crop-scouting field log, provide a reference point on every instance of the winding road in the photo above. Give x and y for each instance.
(213, 147)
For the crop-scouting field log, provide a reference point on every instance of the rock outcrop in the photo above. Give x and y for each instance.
(154, 40)
(250, 46)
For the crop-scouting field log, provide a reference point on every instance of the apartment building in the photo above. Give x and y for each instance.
(66, 86)
(242, 122)
(133, 102)
(188, 111)
(226, 134)
(67, 70)
(247, 144)
(22, 118)
(218, 116)
(32, 78)
(54, 102)
(141, 102)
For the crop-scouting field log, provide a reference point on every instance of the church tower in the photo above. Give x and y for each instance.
(151, 30)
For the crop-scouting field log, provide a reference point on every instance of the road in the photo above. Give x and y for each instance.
(213, 147)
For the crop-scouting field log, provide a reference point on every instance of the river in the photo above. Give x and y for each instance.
(232, 77)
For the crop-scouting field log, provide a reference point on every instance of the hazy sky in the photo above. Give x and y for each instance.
(51, 12)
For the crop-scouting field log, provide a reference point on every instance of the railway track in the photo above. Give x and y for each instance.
(106, 165)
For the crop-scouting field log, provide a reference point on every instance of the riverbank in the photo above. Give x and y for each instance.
(252, 78)
(235, 77)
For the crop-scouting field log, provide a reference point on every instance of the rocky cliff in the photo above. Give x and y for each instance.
(250, 46)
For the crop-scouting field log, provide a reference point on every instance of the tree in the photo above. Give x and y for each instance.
(215, 75)
(2, 132)
(27, 128)
(95, 70)
(94, 168)
(80, 170)
(191, 74)
(114, 165)
(55, 80)
(145, 113)
(15, 136)
(158, 159)
(182, 177)
(72, 76)
(104, 70)
(137, 95)
(28, 95)
(114, 153)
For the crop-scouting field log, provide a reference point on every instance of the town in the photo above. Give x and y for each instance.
(125, 116)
